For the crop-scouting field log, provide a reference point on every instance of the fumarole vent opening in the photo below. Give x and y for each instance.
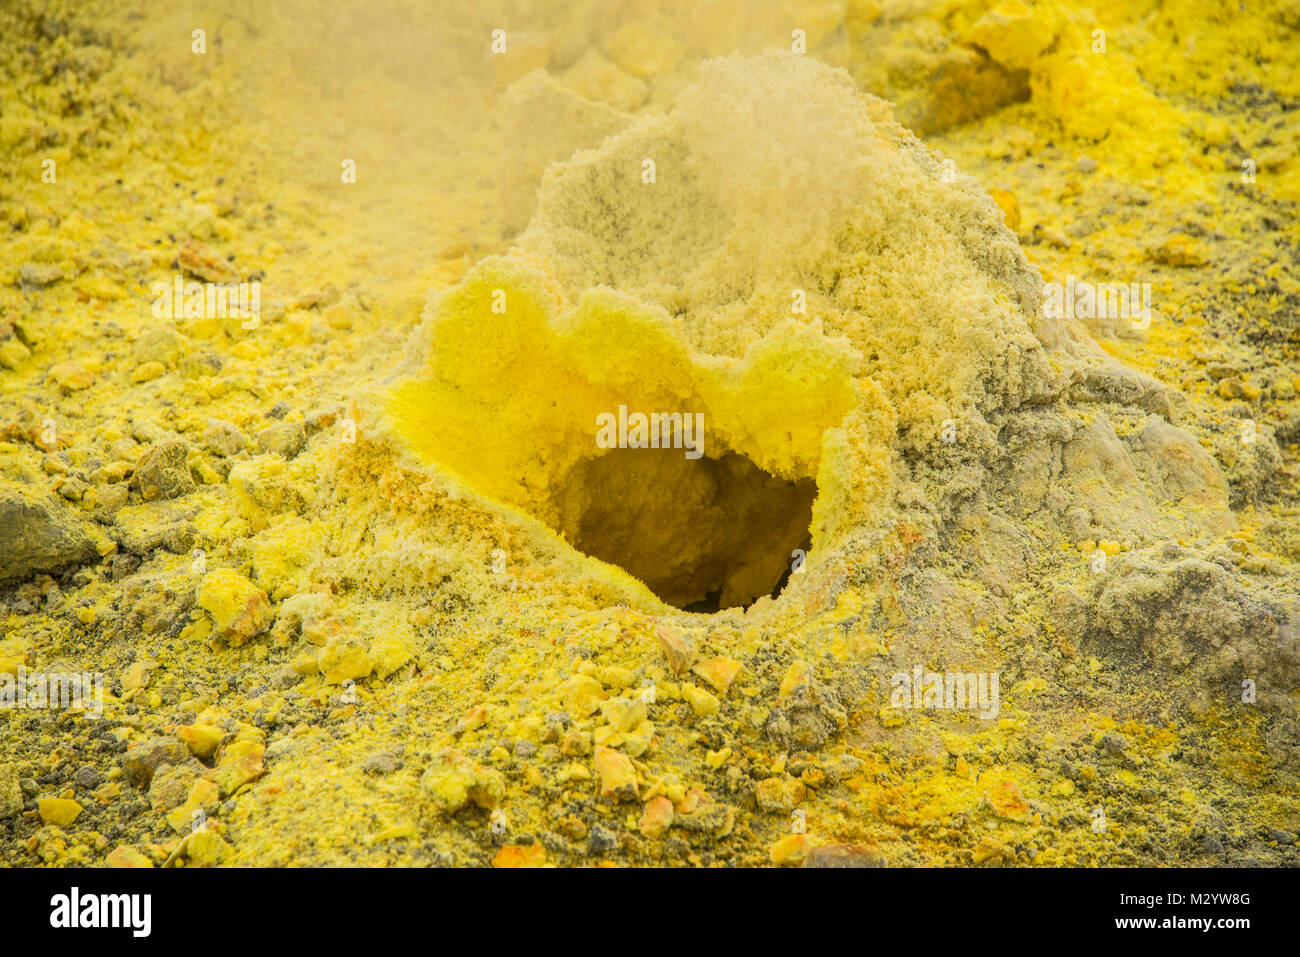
(704, 534)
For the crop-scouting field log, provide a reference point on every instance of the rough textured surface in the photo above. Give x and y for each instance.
(361, 613)
(39, 533)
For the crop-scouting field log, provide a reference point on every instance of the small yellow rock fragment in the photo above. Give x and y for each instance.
(617, 774)
(201, 739)
(718, 672)
(240, 763)
(677, 647)
(581, 696)
(147, 372)
(239, 608)
(127, 857)
(789, 851)
(453, 781)
(72, 376)
(701, 702)
(207, 849)
(60, 812)
(138, 675)
(779, 794)
(203, 798)
(795, 677)
(575, 772)
(389, 652)
(657, 817)
(306, 662)
(520, 855)
(338, 317)
(624, 714)
(473, 719)
(344, 661)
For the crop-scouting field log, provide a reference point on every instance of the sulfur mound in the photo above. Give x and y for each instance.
(776, 254)
(879, 382)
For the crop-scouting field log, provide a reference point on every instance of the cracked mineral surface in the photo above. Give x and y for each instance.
(985, 551)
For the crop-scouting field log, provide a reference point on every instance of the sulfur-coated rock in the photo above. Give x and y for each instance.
(60, 812)
(141, 760)
(163, 472)
(239, 608)
(453, 781)
(39, 533)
